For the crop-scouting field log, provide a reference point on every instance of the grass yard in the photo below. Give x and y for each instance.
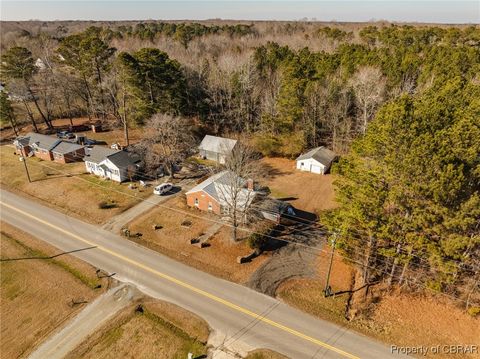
(67, 187)
(147, 329)
(36, 295)
(173, 240)
(306, 191)
(307, 294)
(405, 320)
(265, 354)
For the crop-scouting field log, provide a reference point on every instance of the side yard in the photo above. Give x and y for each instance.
(306, 191)
(67, 187)
(173, 239)
(406, 320)
(39, 296)
(147, 329)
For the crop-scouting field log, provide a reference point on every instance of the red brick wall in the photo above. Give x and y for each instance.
(24, 150)
(71, 157)
(44, 156)
(59, 159)
(203, 199)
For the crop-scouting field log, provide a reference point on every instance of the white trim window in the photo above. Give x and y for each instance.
(196, 202)
(210, 207)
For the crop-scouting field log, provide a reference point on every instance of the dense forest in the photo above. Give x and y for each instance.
(400, 103)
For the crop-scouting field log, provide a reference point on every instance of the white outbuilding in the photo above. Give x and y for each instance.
(216, 148)
(317, 160)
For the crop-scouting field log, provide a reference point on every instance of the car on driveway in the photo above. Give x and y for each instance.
(65, 135)
(163, 188)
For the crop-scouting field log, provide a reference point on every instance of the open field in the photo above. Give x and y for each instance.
(306, 191)
(173, 240)
(37, 295)
(405, 320)
(67, 187)
(147, 329)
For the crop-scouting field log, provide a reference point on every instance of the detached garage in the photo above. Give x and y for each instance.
(317, 160)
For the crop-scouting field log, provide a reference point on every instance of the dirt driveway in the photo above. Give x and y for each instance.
(307, 191)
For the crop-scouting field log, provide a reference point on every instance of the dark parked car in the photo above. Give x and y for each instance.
(65, 134)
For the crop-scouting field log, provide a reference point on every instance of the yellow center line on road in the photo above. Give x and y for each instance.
(190, 287)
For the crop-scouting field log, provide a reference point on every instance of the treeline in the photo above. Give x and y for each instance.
(288, 100)
(409, 194)
(406, 97)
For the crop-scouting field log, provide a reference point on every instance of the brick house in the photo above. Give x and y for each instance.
(36, 144)
(48, 148)
(66, 152)
(212, 195)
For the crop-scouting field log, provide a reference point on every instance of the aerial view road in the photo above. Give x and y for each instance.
(239, 313)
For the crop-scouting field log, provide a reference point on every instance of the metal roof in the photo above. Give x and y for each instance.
(219, 187)
(217, 144)
(320, 154)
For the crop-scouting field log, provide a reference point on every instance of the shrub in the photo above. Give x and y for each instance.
(257, 241)
(474, 311)
(107, 205)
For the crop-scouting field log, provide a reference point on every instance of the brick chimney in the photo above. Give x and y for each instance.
(250, 184)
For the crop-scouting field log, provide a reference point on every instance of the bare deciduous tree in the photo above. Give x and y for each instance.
(168, 140)
(368, 83)
(236, 186)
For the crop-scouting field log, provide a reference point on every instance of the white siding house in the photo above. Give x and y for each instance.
(317, 160)
(115, 165)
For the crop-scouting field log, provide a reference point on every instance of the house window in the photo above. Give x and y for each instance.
(196, 202)
(210, 207)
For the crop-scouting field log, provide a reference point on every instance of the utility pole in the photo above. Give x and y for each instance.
(327, 292)
(24, 160)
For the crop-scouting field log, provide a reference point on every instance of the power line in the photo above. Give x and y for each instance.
(253, 232)
(385, 261)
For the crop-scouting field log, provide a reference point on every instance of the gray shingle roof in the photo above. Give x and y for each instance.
(217, 144)
(66, 147)
(123, 159)
(119, 158)
(42, 141)
(22, 141)
(98, 153)
(321, 154)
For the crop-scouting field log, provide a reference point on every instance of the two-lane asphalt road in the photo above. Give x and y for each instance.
(239, 312)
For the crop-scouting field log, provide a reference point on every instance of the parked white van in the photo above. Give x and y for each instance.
(163, 188)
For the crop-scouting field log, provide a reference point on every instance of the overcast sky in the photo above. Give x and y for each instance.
(340, 10)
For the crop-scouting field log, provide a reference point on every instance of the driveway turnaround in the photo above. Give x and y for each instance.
(239, 313)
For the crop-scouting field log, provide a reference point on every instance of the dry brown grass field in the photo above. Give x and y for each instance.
(157, 330)
(173, 240)
(66, 187)
(36, 295)
(264, 354)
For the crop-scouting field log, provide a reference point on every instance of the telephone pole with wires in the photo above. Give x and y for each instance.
(24, 160)
(327, 292)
